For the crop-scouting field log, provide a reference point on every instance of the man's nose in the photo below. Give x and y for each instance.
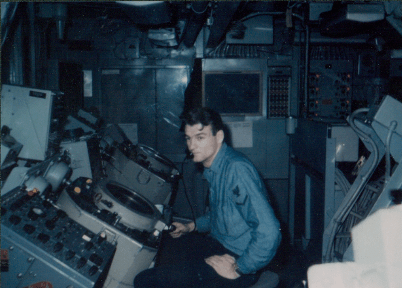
(190, 144)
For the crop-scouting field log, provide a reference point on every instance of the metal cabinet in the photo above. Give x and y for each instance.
(150, 96)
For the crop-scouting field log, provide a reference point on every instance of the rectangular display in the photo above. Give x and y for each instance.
(233, 93)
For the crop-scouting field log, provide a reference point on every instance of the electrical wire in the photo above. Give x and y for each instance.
(358, 212)
(341, 180)
(290, 6)
(185, 191)
(252, 15)
(345, 209)
(199, 12)
(10, 18)
(392, 127)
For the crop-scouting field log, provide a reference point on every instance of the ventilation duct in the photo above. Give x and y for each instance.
(350, 19)
(256, 30)
(147, 12)
(195, 22)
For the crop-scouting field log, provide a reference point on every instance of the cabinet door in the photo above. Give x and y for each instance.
(171, 84)
(128, 96)
(153, 98)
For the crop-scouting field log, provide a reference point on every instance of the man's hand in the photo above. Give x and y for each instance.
(224, 265)
(182, 229)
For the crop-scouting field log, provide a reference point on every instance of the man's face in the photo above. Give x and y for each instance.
(202, 143)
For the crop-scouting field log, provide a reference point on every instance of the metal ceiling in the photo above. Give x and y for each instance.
(219, 16)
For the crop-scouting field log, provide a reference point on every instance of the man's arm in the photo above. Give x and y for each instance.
(252, 204)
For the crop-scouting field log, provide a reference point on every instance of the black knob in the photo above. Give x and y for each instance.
(89, 246)
(46, 204)
(32, 215)
(61, 214)
(57, 247)
(70, 254)
(14, 219)
(29, 229)
(96, 259)
(50, 224)
(92, 271)
(43, 237)
(81, 263)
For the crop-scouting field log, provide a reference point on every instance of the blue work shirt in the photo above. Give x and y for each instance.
(240, 216)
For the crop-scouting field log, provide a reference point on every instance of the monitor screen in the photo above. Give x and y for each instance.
(233, 93)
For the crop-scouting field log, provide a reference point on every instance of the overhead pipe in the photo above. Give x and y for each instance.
(306, 70)
(32, 48)
(60, 16)
(147, 12)
(8, 20)
(195, 22)
(223, 16)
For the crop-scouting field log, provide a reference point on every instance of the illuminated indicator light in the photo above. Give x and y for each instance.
(89, 181)
(77, 190)
(33, 192)
(86, 238)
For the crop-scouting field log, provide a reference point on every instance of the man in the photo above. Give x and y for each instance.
(243, 233)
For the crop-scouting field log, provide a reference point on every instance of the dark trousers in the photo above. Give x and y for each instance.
(181, 264)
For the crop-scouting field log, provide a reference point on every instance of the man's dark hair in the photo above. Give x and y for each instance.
(204, 116)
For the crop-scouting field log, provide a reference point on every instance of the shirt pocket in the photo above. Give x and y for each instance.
(232, 223)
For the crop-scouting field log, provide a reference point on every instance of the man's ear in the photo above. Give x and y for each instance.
(220, 135)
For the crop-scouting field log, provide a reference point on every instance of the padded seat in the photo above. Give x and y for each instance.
(267, 279)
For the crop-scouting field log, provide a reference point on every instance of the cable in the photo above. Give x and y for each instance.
(260, 13)
(358, 212)
(10, 18)
(290, 6)
(342, 181)
(344, 211)
(185, 191)
(392, 127)
(199, 12)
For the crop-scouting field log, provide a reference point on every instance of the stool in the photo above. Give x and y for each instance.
(267, 279)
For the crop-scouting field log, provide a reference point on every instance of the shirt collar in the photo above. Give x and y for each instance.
(216, 163)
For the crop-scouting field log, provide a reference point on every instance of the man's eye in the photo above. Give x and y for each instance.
(200, 137)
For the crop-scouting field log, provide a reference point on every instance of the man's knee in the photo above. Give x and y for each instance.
(144, 279)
